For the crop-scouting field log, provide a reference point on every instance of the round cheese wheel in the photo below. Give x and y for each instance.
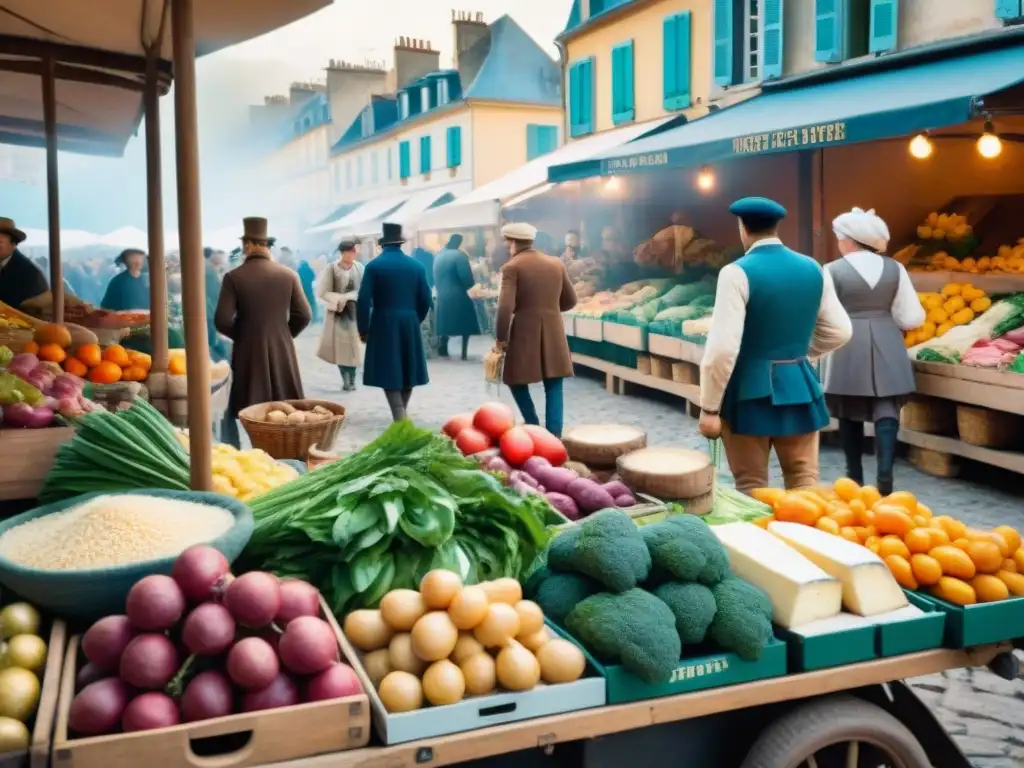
(668, 473)
(600, 445)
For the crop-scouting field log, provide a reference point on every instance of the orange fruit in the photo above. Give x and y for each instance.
(864, 533)
(140, 360)
(858, 509)
(814, 498)
(52, 353)
(762, 522)
(1018, 558)
(939, 536)
(919, 520)
(1010, 536)
(986, 556)
(904, 499)
(893, 545)
(918, 540)
(105, 373)
(795, 508)
(989, 589)
(846, 488)
(768, 495)
(893, 519)
(51, 333)
(176, 365)
(849, 534)
(926, 569)
(974, 534)
(843, 515)
(76, 367)
(924, 511)
(1009, 565)
(954, 562)
(869, 495)
(117, 355)
(32, 348)
(901, 571)
(953, 528)
(828, 525)
(1013, 581)
(90, 354)
(962, 543)
(873, 543)
(133, 373)
(955, 591)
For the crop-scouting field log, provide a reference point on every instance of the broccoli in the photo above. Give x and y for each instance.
(699, 533)
(693, 606)
(743, 622)
(673, 554)
(634, 628)
(558, 593)
(607, 547)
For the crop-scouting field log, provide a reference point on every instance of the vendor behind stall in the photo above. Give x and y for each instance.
(20, 279)
(129, 289)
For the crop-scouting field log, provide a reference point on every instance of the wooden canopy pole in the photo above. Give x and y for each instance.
(155, 219)
(53, 186)
(193, 273)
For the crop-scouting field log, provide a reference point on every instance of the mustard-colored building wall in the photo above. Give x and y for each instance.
(499, 136)
(642, 23)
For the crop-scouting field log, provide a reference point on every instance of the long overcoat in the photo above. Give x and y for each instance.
(338, 288)
(262, 308)
(535, 291)
(456, 313)
(394, 299)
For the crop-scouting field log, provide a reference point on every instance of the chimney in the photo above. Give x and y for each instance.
(472, 43)
(414, 59)
(349, 88)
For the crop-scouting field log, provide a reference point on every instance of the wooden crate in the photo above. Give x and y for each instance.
(28, 455)
(248, 739)
(929, 415)
(643, 364)
(685, 373)
(934, 463)
(661, 369)
(987, 428)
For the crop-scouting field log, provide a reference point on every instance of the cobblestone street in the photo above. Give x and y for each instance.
(983, 712)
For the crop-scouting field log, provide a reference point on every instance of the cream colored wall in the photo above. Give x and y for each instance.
(499, 137)
(644, 27)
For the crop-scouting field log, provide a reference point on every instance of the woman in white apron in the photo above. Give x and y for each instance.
(338, 288)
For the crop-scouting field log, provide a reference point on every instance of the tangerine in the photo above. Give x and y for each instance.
(105, 373)
(90, 354)
(117, 355)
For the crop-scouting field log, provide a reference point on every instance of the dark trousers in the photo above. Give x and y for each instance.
(442, 346)
(851, 436)
(553, 405)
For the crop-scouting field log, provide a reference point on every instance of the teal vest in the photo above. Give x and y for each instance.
(773, 390)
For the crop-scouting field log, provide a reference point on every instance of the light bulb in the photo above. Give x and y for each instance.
(989, 145)
(921, 147)
(612, 185)
(705, 180)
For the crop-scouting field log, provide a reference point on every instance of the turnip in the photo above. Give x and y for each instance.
(90, 673)
(254, 599)
(298, 598)
(150, 710)
(282, 692)
(308, 646)
(252, 663)
(99, 706)
(155, 603)
(209, 630)
(105, 641)
(209, 694)
(335, 682)
(149, 662)
(199, 571)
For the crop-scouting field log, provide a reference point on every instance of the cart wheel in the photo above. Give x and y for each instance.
(840, 732)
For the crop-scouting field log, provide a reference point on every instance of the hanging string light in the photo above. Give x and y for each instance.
(989, 144)
(705, 180)
(921, 147)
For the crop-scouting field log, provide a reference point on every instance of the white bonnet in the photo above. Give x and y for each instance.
(864, 227)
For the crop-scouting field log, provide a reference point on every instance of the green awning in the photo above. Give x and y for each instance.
(873, 105)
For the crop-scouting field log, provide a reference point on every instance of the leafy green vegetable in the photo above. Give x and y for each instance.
(381, 518)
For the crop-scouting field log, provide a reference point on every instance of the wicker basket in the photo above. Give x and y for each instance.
(288, 441)
(661, 369)
(685, 373)
(988, 429)
(934, 463)
(15, 339)
(643, 364)
(929, 415)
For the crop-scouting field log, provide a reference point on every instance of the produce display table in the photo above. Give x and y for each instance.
(28, 455)
(548, 731)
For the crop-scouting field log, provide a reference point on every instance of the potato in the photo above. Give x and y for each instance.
(278, 406)
(277, 417)
(322, 411)
(297, 417)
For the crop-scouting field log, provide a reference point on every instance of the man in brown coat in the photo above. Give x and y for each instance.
(535, 291)
(261, 309)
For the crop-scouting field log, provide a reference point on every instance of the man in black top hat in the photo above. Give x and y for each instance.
(20, 279)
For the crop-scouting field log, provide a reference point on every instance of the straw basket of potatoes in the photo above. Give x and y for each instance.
(287, 429)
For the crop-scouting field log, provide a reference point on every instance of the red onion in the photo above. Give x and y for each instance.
(298, 598)
(209, 694)
(149, 661)
(252, 663)
(99, 706)
(200, 571)
(90, 673)
(150, 710)
(155, 603)
(336, 682)
(105, 641)
(208, 630)
(308, 646)
(254, 599)
(282, 692)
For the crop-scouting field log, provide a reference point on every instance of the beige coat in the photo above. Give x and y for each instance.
(338, 288)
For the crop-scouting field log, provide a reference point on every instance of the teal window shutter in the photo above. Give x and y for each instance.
(581, 97)
(828, 30)
(404, 160)
(1009, 9)
(532, 141)
(425, 154)
(623, 109)
(540, 139)
(884, 25)
(724, 67)
(675, 61)
(454, 137)
(771, 39)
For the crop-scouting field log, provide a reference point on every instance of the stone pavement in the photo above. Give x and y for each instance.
(983, 712)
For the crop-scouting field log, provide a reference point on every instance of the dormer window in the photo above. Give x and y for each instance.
(298, 127)
(425, 100)
(367, 122)
(443, 96)
(403, 105)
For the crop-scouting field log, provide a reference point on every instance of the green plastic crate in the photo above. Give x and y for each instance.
(831, 649)
(980, 624)
(915, 634)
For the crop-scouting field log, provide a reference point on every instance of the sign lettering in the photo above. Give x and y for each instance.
(634, 162)
(794, 138)
(710, 667)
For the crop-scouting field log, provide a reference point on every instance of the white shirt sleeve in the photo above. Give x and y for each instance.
(906, 308)
(833, 328)
(723, 344)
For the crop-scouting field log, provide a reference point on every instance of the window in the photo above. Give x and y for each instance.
(367, 122)
(1009, 9)
(348, 174)
(443, 94)
(847, 29)
(404, 160)
(403, 105)
(676, 61)
(622, 83)
(425, 100)
(771, 39)
(581, 98)
(374, 171)
(425, 154)
(454, 140)
(359, 171)
(540, 140)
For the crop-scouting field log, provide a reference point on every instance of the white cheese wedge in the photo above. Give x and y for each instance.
(906, 613)
(868, 585)
(833, 625)
(800, 591)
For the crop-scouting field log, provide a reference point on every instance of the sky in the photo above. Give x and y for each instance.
(102, 194)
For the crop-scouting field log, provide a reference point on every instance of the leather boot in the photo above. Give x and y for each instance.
(886, 432)
(851, 437)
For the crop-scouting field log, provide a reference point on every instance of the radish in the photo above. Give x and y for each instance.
(155, 603)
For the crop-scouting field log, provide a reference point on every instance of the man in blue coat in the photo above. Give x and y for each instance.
(456, 312)
(775, 309)
(394, 299)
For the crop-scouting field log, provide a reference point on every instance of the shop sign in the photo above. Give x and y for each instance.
(634, 162)
(701, 669)
(794, 138)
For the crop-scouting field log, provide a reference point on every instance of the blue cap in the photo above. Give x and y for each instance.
(758, 208)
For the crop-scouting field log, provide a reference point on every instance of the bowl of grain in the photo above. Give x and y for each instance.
(77, 558)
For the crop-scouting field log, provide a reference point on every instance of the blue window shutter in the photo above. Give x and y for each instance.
(425, 154)
(724, 42)
(548, 138)
(581, 97)
(587, 91)
(404, 160)
(574, 97)
(622, 83)
(828, 30)
(532, 141)
(676, 52)
(1009, 9)
(771, 39)
(885, 17)
(454, 136)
